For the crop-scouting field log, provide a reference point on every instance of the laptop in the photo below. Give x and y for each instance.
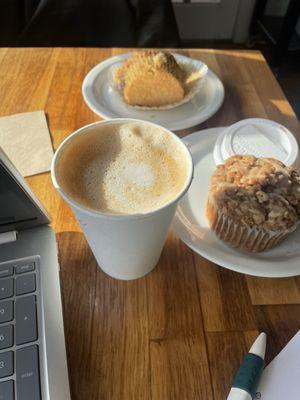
(33, 364)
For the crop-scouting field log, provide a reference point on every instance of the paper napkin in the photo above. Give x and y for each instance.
(26, 140)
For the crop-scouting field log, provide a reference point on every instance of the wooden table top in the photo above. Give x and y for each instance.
(180, 332)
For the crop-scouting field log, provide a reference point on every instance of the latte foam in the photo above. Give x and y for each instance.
(125, 168)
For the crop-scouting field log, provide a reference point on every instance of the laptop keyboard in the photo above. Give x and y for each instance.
(19, 333)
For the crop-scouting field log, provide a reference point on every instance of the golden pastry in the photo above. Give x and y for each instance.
(150, 78)
(253, 203)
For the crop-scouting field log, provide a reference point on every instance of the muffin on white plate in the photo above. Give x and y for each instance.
(153, 79)
(253, 203)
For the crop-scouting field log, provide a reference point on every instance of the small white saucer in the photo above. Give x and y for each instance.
(191, 226)
(101, 98)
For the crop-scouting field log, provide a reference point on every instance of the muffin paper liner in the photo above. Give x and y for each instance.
(251, 239)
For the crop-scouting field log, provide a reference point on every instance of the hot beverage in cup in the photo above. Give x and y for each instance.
(123, 179)
(123, 168)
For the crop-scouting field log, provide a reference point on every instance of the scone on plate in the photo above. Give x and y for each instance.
(150, 78)
(253, 203)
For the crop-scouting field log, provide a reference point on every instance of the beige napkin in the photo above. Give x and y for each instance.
(26, 140)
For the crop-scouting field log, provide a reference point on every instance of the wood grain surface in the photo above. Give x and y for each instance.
(179, 333)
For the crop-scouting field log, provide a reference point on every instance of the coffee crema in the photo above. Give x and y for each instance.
(124, 168)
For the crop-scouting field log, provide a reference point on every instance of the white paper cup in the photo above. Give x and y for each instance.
(125, 246)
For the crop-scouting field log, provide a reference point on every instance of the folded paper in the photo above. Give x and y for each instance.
(26, 140)
(280, 379)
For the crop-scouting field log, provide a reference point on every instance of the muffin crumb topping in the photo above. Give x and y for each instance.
(257, 191)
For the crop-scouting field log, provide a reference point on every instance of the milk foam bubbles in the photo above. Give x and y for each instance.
(140, 174)
(125, 168)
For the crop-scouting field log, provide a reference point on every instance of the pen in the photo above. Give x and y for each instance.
(247, 378)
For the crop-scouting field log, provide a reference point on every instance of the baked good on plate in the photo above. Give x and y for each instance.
(253, 203)
(154, 79)
(150, 78)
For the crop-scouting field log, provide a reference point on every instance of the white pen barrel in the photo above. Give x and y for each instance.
(238, 394)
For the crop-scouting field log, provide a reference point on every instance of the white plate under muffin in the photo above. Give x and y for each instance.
(191, 225)
(101, 97)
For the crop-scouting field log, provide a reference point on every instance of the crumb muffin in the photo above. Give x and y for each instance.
(150, 78)
(253, 203)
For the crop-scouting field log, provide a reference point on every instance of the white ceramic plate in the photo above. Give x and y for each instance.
(103, 100)
(191, 226)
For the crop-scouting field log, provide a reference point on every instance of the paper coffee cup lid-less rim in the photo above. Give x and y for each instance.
(258, 137)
